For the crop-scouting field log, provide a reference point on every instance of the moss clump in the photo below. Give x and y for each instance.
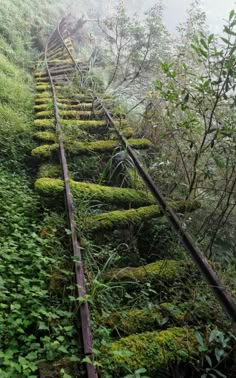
(45, 114)
(90, 123)
(45, 87)
(162, 270)
(118, 196)
(154, 350)
(119, 218)
(45, 136)
(105, 146)
(127, 132)
(140, 320)
(80, 113)
(44, 123)
(38, 74)
(42, 100)
(79, 148)
(46, 150)
(49, 186)
(82, 105)
(83, 123)
(44, 94)
(49, 170)
(42, 107)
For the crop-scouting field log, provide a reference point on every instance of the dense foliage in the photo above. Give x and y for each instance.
(184, 99)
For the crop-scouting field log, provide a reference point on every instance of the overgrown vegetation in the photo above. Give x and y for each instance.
(152, 315)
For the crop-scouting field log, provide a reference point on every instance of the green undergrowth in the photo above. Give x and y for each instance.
(35, 324)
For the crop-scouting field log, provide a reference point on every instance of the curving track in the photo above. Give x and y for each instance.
(88, 113)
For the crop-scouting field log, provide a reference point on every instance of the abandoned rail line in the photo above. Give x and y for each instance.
(86, 112)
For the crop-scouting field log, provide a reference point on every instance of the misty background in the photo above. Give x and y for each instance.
(175, 11)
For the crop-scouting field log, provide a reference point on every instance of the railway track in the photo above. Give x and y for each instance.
(71, 122)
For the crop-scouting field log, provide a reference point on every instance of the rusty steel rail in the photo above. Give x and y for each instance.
(222, 295)
(79, 270)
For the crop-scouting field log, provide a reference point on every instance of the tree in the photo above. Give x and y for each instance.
(193, 107)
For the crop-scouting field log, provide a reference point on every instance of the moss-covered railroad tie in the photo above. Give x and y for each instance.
(162, 270)
(119, 196)
(138, 320)
(154, 350)
(77, 114)
(121, 218)
(80, 148)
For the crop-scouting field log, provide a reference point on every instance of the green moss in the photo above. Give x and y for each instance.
(140, 320)
(49, 186)
(45, 94)
(44, 123)
(88, 124)
(84, 124)
(40, 73)
(118, 196)
(82, 105)
(49, 171)
(162, 270)
(43, 100)
(121, 218)
(45, 87)
(42, 107)
(45, 114)
(103, 146)
(45, 151)
(154, 350)
(79, 114)
(126, 131)
(45, 136)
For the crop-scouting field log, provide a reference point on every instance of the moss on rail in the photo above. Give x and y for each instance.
(153, 350)
(118, 196)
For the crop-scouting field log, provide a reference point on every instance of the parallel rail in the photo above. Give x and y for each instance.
(79, 270)
(57, 40)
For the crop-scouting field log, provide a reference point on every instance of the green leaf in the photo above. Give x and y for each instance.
(225, 40)
(211, 38)
(199, 338)
(219, 353)
(231, 15)
(208, 360)
(229, 31)
(204, 44)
